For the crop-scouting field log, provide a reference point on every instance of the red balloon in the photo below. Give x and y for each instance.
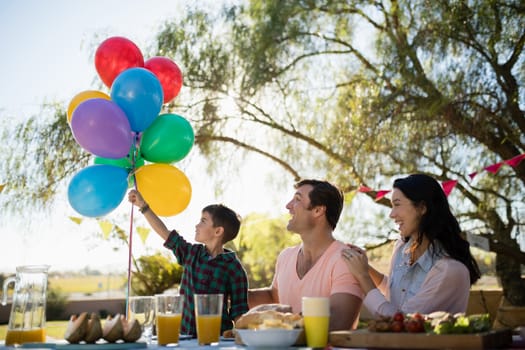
(169, 75)
(114, 56)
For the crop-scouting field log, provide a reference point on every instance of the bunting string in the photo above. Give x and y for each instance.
(449, 185)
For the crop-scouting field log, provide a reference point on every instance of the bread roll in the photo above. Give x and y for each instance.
(269, 319)
(275, 307)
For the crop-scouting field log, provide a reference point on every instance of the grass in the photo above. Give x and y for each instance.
(88, 284)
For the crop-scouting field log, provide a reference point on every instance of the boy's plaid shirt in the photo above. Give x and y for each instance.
(203, 275)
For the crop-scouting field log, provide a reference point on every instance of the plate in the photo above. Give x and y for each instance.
(362, 338)
(269, 337)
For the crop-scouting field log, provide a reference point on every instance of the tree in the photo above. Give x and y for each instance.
(434, 87)
(357, 92)
(154, 274)
(56, 301)
(258, 244)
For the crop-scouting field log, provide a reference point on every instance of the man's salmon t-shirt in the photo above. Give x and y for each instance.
(328, 276)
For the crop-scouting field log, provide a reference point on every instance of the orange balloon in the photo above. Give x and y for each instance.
(81, 97)
(165, 188)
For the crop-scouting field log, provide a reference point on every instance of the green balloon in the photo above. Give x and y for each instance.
(168, 139)
(124, 162)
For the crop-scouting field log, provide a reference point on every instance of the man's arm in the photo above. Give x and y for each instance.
(344, 310)
(260, 296)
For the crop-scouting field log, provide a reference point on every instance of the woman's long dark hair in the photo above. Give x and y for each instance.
(438, 222)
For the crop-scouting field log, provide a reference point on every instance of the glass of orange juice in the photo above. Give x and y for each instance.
(316, 316)
(208, 313)
(168, 309)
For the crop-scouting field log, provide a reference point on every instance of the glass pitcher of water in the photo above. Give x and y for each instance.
(27, 320)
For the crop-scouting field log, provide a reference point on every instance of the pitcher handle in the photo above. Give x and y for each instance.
(7, 281)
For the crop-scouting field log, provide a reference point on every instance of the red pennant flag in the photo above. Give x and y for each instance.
(513, 162)
(448, 186)
(494, 168)
(381, 193)
(364, 189)
(472, 175)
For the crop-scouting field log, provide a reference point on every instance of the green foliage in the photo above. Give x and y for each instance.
(55, 303)
(155, 274)
(258, 244)
(41, 156)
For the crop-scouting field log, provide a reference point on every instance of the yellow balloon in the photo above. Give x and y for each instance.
(165, 188)
(81, 97)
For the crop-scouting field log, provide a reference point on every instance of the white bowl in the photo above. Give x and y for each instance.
(271, 337)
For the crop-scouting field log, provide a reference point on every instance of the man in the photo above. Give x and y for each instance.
(315, 267)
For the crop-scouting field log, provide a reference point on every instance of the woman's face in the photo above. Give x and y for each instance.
(405, 214)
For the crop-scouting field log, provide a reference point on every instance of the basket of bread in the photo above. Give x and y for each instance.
(269, 325)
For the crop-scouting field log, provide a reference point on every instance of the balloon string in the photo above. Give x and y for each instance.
(129, 261)
(130, 251)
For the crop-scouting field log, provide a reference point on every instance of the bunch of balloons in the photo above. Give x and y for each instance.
(132, 144)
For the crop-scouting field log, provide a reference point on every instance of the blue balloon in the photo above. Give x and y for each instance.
(97, 189)
(139, 93)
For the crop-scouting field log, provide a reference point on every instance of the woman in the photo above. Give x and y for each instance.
(432, 268)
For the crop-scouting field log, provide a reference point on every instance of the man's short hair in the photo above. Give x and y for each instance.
(325, 194)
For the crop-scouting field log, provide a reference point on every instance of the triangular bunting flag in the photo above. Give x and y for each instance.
(76, 220)
(513, 162)
(448, 186)
(364, 189)
(494, 168)
(143, 233)
(349, 197)
(381, 193)
(472, 175)
(2, 187)
(106, 228)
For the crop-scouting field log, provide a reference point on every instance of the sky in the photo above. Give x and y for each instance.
(46, 55)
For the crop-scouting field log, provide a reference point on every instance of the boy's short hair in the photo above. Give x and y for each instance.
(226, 218)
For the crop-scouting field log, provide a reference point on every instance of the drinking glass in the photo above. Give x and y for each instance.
(208, 313)
(169, 316)
(316, 316)
(142, 308)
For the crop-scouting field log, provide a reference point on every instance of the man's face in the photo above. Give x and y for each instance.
(298, 208)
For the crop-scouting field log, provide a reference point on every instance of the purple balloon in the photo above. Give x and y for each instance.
(102, 128)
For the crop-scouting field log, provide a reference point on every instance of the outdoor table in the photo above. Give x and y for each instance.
(517, 343)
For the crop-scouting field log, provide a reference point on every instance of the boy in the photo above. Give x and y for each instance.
(209, 268)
